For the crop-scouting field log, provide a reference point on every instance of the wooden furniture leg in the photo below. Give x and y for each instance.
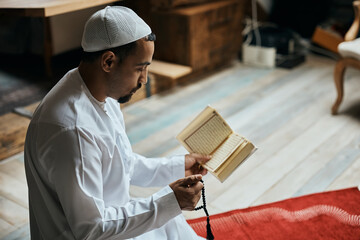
(345, 62)
(339, 84)
(340, 67)
(47, 47)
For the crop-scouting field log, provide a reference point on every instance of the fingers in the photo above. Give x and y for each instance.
(190, 180)
(188, 191)
(193, 162)
(200, 158)
(193, 183)
(203, 171)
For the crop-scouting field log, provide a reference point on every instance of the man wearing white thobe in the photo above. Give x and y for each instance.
(78, 160)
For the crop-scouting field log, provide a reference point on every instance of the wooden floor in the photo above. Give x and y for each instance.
(302, 149)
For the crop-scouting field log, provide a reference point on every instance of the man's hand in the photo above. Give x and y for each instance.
(193, 163)
(187, 191)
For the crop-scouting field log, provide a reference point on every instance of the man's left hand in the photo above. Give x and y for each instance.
(193, 163)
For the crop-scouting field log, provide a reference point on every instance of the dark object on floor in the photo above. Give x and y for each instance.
(289, 50)
(290, 61)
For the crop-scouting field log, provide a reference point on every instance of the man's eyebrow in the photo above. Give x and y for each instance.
(143, 64)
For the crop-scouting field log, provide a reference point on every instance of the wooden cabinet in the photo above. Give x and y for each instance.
(174, 3)
(202, 37)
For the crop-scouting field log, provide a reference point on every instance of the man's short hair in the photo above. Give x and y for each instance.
(121, 52)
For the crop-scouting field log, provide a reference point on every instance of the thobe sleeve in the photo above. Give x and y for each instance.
(156, 172)
(151, 172)
(72, 159)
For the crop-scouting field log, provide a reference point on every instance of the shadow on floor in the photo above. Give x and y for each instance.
(352, 110)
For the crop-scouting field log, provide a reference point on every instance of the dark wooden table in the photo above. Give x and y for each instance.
(46, 9)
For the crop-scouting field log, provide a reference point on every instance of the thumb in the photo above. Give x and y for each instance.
(190, 180)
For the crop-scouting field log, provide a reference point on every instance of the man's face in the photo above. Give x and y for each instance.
(129, 76)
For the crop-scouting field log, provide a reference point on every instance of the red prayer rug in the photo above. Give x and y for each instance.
(330, 215)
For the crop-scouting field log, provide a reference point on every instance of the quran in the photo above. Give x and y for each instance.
(210, 134)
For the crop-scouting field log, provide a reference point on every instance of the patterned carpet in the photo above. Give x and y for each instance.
(328, 215)
(18, 92)
(23, 80)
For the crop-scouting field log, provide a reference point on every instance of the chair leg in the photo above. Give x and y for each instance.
(339, 84)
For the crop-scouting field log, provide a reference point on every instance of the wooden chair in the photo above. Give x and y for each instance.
(348, 58)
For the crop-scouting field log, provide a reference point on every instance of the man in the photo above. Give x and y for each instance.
(78, 160)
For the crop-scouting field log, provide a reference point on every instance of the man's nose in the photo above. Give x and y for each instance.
(144, 77)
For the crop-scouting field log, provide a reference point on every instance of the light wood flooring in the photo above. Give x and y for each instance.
(302, 148)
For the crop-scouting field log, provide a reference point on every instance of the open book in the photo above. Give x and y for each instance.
(209, 134)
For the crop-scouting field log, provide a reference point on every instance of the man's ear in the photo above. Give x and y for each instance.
(107, 61)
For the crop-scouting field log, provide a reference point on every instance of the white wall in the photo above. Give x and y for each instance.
(67, 29)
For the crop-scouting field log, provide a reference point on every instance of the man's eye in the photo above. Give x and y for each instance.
(142, 69)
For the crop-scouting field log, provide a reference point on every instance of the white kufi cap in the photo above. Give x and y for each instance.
(113, 27)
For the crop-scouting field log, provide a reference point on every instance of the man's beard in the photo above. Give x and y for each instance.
(127, 98)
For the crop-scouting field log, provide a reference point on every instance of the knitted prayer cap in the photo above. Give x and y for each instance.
(113, 27)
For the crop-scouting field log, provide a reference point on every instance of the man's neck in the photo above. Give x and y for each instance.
(93, 80)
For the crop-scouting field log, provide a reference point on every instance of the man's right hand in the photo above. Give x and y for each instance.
(187, 191)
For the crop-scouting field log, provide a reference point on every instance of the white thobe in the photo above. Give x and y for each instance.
(79, 166)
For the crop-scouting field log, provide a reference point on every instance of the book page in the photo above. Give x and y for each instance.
(224, 151)
(243, 152)
(208, 136)
(208, 133)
